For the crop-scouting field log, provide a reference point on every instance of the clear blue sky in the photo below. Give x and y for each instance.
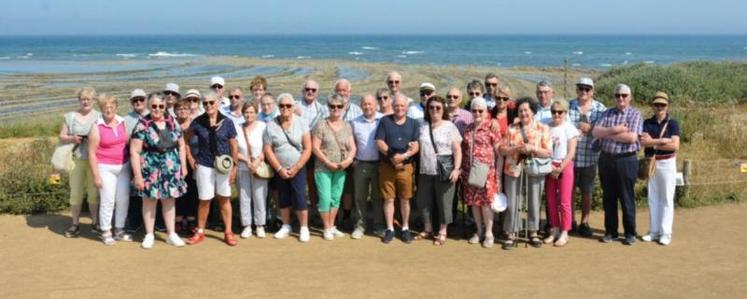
(86, 17)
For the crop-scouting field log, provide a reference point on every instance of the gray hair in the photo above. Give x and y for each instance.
(400, 97)
(478, 102)
(336, 98)
(211, 95)
(286, 96)
(544, 83)
(563, 104)
(343, 81)
(623, 88)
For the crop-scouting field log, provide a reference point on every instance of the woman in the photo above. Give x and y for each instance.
(502, 108)
(524, 140)
(186, 206)
(439, 141)
(252, 193)
(480, 145)
(75, 129)
(334, 148)
(268, 110)
(258, 87)
(216, 136)
(158, 158)
(108, 158)
(384, 97)
(287, 148)
(559, 183)
(661, 184)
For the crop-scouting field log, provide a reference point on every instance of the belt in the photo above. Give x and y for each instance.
(621, 155)
(664, 157)
(364, 161)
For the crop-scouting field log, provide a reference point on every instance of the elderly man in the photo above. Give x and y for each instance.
(396, 139)
(618, 130)
(545, 95)
(394, 83)
(416, 111)
(352, 110)
(311, 111)
(217, 85)
(139, 109)
(584, 112)
(475, 89)
(366, 168)
(460, 117)
(170, 96)
(492, 83)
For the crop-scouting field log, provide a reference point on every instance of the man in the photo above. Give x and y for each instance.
(476, 90)
(394, 82)
(460, 117)
(139, 110)
(584, 112)
(366, 168)
(170, 96)
(618, 130)
(234, 113)
(545, 95)
(344, 89)
(311, 111)
(396, 139)
(217, 84)
(416, 111)
(491, 88)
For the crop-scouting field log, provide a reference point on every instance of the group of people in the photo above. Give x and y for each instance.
(315, 158)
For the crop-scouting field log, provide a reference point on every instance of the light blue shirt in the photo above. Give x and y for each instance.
(364, 132)
(312, 113)
(352, 112)
(544, 115)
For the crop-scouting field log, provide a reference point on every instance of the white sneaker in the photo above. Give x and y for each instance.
(328, 235)
(358, 233)
(304, 235)
(283, 232)
(650, 237)
(665, 240)
(337, 233)
(260, 232)
(148, 241)
(174, 240)
(247, 232)
(108, 239)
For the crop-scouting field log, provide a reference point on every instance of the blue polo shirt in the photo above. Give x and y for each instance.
(224, 131)
(653, 127)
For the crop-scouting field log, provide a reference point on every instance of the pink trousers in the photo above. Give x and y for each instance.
(559, 194)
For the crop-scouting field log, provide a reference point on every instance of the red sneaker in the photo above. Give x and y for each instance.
(230, 239)
(197, 238)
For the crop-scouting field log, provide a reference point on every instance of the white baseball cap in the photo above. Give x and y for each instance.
(217, 80)
(192, 93)
(585, 81)
(173, 87)
(137, 93)
(427, 86)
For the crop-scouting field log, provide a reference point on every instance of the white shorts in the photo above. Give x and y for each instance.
(211, 183)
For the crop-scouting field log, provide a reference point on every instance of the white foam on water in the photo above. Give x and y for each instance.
(81, 55)
(649, 62)
(356, 53)
(303, 57)
(369, 48)
(4, 57)
(605, 65)
(576, 64)
(268, 56)
(168, 54)
(528, 52)
(126, 55)
(625, 62)
(628, 53)
(412, 52)
(402, 56)
(578, 52)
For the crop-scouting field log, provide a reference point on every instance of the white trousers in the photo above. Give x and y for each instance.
(661, 197)
(252, 195)
(114, 194)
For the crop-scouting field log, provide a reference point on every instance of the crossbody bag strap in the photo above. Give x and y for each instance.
(433, 142)
(298, 148)
(339, 146)
(661, 134)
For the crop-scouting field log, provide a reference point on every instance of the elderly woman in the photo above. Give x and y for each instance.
(216, 137)
(109, 161)
(440, 143)
(524, 140)
(268, 112)
(480, 148)
(384, 98)
(287, 148)
(186, 205)
(559, 183)
(475, 89)
(193, 98)
(252, 196)
(661, 137)
(157, 156)
(75, 129)
(334, 148)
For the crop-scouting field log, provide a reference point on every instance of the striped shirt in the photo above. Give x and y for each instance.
(630, 117)
(585, 155)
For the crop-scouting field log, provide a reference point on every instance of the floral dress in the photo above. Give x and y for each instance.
(483, 151)
(161, 170)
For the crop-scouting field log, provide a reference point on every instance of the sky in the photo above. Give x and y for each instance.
(99, 17)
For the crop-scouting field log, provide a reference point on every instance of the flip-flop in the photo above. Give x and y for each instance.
(423, 236)
(440, 240)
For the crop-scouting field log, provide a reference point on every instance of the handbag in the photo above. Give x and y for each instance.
(478, 171)
(62, 158)
(536, 166)
(263, 170)
(647, 165)
(444, 164)
(221, 163)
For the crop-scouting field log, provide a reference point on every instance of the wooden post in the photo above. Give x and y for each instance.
(687, 171)
(565, 77)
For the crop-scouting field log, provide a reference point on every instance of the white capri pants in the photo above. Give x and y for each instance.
(211, 183)
(661, 197)
(114, 194)
(252, 195)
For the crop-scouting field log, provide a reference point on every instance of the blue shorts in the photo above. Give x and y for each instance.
(292, 192)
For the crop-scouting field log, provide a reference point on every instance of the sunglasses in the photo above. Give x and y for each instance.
(426, 93)
(477, 111)
(137, 99)
(160, 107)
(474, 94)
(193, 99)
(310, 89)
(505, 99)
(333, 106)
(382, 98)
(393, 81)
(660, 105)
(451, 96)
(217, 86)
(435, 108)
(170, 93)
(621, 95)
(557, 112)
(234, 97)
(584, 88)
(285, 106)
(491, 84)
(208, 103)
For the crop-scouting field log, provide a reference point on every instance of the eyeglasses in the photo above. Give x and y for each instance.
(584, 88)
(382, 98)
(285, 106)
(505, 99)
(393, 81)
(137, 99)
(491, 84)
(193, 99)
(307, 89)
(160, 107)
(208, 103)
(217, 86)
(170, 93)
(452, 96)
(621, 95)
(660, 105)
(478, 110)
(426, 93)
(234, 97)
(557, 112)
(333, 106)
(474, 94)
(434, 108)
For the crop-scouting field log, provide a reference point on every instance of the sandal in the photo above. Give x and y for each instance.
(73, 231)
(424, 235)
(507, 245)
(535, 241)
(440, 240)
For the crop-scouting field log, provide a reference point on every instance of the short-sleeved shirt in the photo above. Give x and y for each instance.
(559, 135)
(131, 120)
(537, 134)
(364, 131)
(416, 111)
(224, 131)
(76, 128)
(255, 139)
(544, 115)
(286, 153)
(461, 119)
(397, 136)
(238, 124)
(653, 127)
(352, 112)
(334, 143)
(586, 156)
(629, 116)
(444, 136)
(312, 113)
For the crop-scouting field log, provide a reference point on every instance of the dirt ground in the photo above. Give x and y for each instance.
(706, 259)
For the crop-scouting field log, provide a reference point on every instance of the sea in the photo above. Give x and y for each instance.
(69, 54)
